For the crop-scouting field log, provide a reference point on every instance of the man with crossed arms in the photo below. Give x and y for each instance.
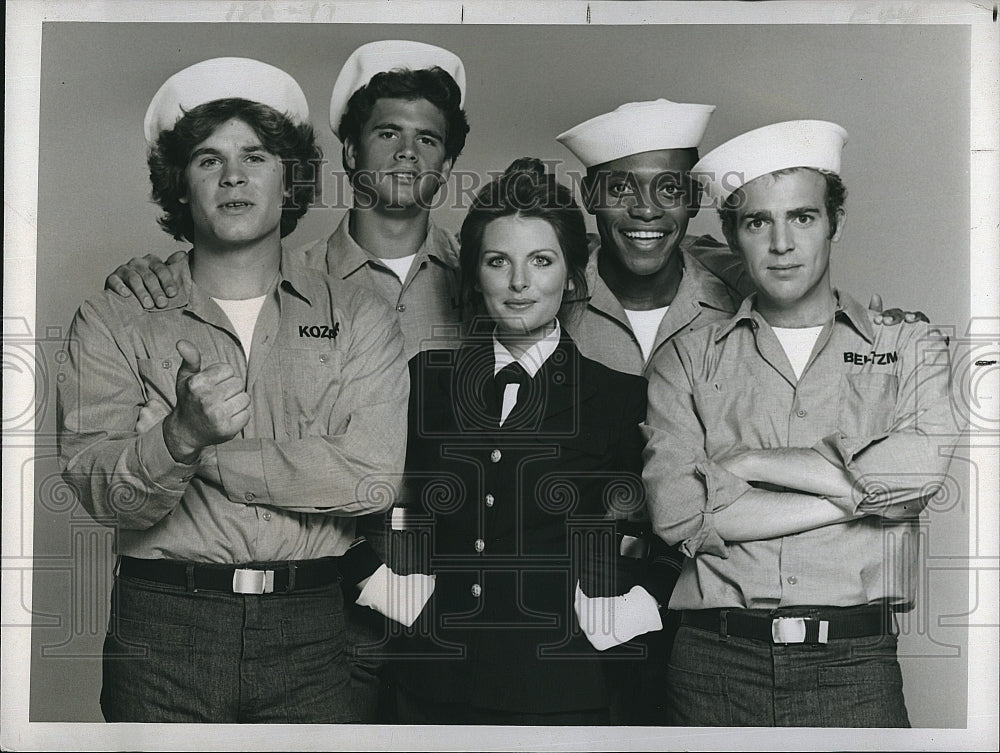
(791, 449)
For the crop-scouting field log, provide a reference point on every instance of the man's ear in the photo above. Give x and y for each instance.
(841, 219)
(446, 170)
(350, 154)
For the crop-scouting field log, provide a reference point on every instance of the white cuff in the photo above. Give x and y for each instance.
(399, 597)
(612, 620)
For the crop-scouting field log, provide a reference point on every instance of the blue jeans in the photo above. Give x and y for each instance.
(177, 656)
(738, 682)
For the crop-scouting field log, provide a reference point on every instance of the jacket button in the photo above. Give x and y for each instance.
(489, 500)
(324, 358)
(266, 516)
(801, 413)
(480, 545)
(249, 496)
(792, 579)
(477, 590)
(495, 456)
(401, 307)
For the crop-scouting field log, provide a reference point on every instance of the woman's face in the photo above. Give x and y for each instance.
(522, 275)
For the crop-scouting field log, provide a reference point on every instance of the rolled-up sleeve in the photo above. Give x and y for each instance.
(896, 471)
(684, 488)
(122, 478)
(358, 468)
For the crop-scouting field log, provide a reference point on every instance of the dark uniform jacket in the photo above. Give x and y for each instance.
(512, 518)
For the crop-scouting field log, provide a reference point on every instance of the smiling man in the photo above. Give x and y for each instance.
(791, 472)
(285, 396)
(645, 285)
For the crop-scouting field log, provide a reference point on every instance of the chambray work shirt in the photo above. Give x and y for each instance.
(872, 399)
(328, 386)
(427, 302)
(601, 328)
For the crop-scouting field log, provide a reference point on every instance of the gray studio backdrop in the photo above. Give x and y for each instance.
(902, 92)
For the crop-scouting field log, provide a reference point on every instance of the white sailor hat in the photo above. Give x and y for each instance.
(389, 55)
(637, 127)
(223, 78)
(794, 143)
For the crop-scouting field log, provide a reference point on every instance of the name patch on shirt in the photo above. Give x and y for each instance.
(879, 359)
(323, 331)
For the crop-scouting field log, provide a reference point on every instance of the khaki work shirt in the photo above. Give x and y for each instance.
(427, 302)
(328, 386)
(874, 400)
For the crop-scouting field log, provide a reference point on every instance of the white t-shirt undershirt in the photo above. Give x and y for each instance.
(645, 325)
(243, 316)
(798, 344)
(401, 266)
(531, 361)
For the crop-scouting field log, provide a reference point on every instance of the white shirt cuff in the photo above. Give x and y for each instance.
(399, 597)
(612, 620)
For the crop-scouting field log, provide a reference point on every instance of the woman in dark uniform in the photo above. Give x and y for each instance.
(523, 464)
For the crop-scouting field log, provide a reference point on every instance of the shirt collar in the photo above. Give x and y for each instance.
(846, 308)
(533, 358)
(703, 287)
(350, 256)
(290, 278)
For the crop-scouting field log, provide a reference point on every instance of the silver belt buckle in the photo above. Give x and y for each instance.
(793, 630)
(253, 581)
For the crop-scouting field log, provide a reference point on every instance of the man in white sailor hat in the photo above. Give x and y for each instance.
(397, 108)
(645, 287)
(282, 396)
(791, 449)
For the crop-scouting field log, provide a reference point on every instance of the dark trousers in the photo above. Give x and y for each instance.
(177, 656)
(739, 682)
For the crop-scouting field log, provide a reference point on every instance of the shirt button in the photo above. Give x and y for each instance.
(792, 579)
(401, 307)
(480, 545)
(801, 413)
(477, 590)
(249, 496)
(490, 500)
(495, 456)
(166, 364)
(324, 358)
(266, 516)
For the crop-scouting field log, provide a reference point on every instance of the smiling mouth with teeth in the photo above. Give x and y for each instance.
(644, 234)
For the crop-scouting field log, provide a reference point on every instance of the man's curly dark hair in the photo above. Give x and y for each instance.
(433, 84)
(294, 144)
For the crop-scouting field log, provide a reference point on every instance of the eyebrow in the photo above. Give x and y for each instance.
(212, 150)
(766, 214)
(389, 125)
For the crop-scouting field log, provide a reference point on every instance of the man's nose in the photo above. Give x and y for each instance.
(405, 150)
(233, 174)
(644, 207)
(781, 238)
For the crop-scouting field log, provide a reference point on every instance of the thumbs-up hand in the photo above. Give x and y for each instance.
(212, 406)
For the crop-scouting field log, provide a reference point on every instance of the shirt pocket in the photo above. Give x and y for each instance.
(310, 384)
(867, 404)
(724, 404)
(159, 378)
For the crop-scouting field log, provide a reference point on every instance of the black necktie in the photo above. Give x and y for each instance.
(512, 373)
